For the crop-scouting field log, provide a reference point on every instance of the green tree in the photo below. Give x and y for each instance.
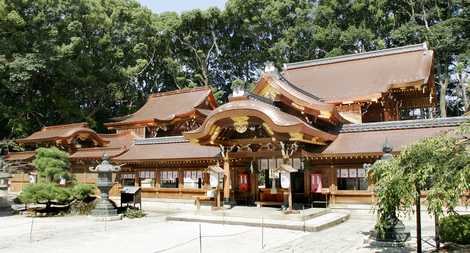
(438, 165)
(45, 193)
(52, 164)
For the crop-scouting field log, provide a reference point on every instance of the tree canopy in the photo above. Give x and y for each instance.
(52, 164)
(439, 165)
(88, 60)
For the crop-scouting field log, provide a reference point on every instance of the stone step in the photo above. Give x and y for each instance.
(311, 225)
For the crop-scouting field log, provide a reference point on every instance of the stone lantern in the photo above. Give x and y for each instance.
(104, 207)
(395, 233)
(4, 176)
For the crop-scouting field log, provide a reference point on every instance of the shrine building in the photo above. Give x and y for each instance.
(311, 128)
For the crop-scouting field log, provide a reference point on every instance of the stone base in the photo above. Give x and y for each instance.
(104, 208)
(384, 244)
(107, 218)
(291, 212)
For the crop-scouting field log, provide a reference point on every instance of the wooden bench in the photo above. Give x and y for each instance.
(268, 203)
(199, 199)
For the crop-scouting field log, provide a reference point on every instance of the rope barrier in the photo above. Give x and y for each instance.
(176, 245)
(228, 235)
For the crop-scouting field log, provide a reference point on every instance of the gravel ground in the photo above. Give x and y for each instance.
(154, 234)
(149, 234)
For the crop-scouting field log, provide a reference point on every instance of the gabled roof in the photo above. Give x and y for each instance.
(63, 134)
(167, 106)
(118, 144)
(362, 76)
(282, 90)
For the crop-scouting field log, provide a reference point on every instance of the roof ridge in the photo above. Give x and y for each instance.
(98, 148)
(404, 124)
(22, 152)
(82, 124)
(179, 91)
(122, 133)
(357, 56)
(161, 140)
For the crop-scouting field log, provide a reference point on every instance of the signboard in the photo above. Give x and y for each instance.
(273, 174)
(213, 180)
(285, 180)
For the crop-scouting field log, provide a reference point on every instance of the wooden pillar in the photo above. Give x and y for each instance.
(227, 180)
(290, 192)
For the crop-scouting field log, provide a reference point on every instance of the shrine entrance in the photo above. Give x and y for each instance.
(298, 189)
(261, 147)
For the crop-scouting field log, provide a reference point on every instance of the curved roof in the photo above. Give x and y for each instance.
(167, 106)
(277, 120)
(300, 98)
(63, 133)
(362, 76)
(118, 144)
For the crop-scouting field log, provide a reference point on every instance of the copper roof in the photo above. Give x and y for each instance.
(20, 156)
(167, 148)
(167, 106)
(62, 132)
(277, 120)
(123, 139)
(368, 138)
(363, 76)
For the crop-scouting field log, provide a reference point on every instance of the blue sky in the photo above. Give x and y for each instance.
(159, 6)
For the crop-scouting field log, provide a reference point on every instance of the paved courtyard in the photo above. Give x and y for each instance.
(154, 234)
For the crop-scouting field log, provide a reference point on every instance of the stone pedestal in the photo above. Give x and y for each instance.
(4, 201)
(395, 235)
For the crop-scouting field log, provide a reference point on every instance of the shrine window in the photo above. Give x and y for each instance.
(169, 179)
(193, 179)
(415, 113)
(147, 179)
(351, 179)
(127, 179)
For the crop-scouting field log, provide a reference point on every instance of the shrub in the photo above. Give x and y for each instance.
(134, 213)
(82, 191)
(45, 193)
(81, 207)
(455, 229)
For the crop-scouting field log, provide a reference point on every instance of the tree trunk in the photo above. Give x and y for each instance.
(418, 222)
(464, 94)
(436, 230)
(442, 100)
